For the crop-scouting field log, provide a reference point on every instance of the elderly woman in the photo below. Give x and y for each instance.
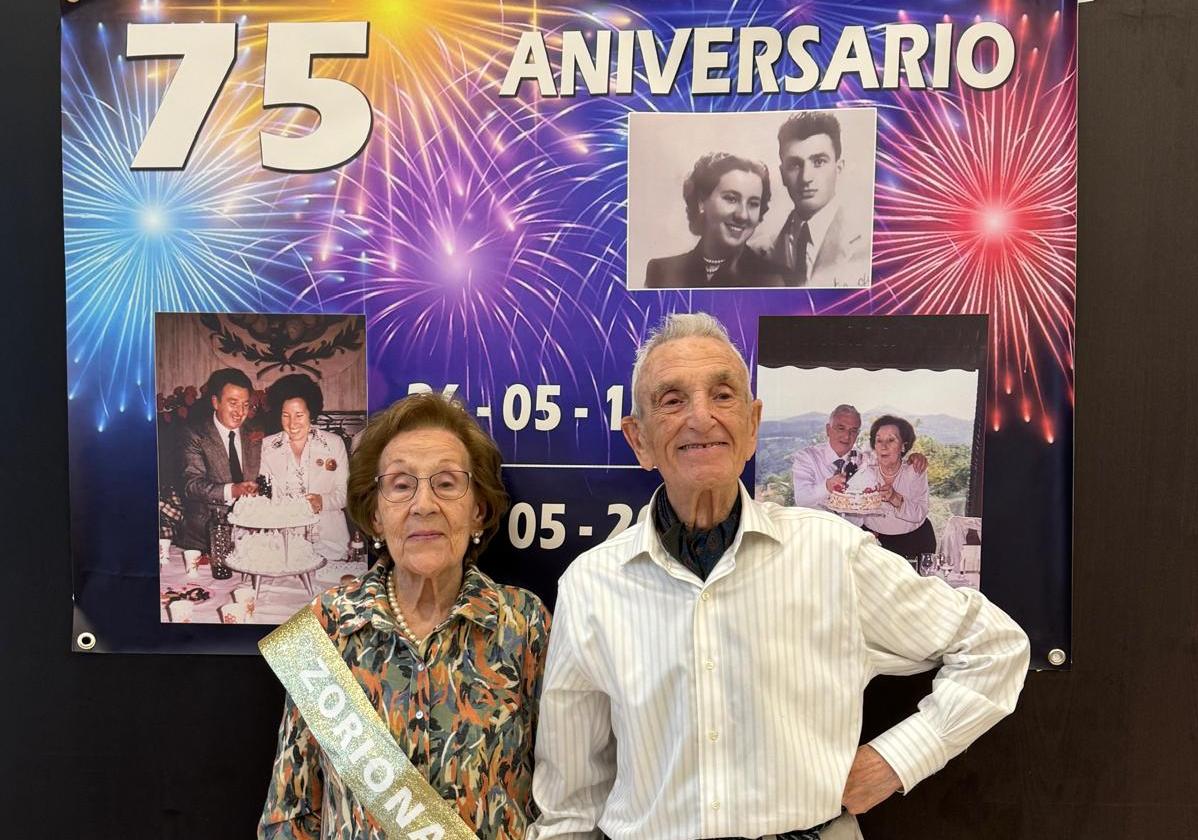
(726, 198)
(450, 660)
(902, 525)
(305, 461)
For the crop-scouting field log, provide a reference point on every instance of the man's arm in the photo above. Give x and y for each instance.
(911, 623)
(909, 498)
(575, 748)
(811, 488)
(871, 780)
(197, 484)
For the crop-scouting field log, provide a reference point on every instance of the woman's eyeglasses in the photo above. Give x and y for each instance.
(447, 485)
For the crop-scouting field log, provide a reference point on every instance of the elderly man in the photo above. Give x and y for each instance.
(706, 668)
(823, 468)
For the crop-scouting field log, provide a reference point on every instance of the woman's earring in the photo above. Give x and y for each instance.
(476, 537)
(377, 542)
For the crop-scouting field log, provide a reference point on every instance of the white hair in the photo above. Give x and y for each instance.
(675, 326)
(843, 408)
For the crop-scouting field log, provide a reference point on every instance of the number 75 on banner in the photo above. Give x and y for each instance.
(208, 51)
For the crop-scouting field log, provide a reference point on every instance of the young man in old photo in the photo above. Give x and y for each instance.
(220, 464)
(820, 244)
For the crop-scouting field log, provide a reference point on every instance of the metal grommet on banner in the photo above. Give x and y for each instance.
(1056, 656)
(85, 640)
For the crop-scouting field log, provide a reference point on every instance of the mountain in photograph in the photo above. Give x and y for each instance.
(945, 428)
(804, 426)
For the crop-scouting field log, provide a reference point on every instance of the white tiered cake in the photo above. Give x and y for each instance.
(270, 552)
(859, 495)
(261, 512)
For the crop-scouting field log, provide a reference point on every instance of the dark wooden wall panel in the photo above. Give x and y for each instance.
(1110, 750)
(179, 747)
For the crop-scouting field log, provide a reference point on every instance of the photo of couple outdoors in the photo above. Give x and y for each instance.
(897, 461)
(820, 189)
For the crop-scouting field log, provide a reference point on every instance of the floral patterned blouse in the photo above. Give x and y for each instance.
(463, 709)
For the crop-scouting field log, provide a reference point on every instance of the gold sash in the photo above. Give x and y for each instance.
(354, 738)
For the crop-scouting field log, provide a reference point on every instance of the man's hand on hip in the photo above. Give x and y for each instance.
(871, 780)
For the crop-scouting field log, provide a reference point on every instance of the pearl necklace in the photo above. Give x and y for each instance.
(712, 266)
(890, 476)
(393, 602)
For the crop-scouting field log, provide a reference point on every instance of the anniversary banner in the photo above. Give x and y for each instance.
(342, 202)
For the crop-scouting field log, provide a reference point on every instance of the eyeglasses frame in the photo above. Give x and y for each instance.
(419, 478)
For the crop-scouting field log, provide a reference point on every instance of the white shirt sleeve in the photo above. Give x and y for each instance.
(909, 515)
(335, 499)
(913, 487)
(810, 487)
(576, 750)
(912, 622)
(266, 464)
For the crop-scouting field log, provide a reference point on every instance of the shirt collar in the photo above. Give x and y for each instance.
(820, 222)
(365, 600)
(646, 543)
(698, 550)
(223, 430)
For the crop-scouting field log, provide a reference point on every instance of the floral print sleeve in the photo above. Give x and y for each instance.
(462, 706)
(534, 670)
(292, 810)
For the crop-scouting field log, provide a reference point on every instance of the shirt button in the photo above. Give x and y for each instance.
(420, 666)
(419, 715)
(706, 596)
(709, 665)
(713, 735)
(715, 806)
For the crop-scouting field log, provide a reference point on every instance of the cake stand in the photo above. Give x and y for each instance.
(289, 532)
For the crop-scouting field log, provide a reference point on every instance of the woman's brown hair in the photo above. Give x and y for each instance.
(428, 411)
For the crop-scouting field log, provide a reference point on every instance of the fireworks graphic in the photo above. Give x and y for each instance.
(468, 262)
(490, 233)
(596, 128)
(976, 206)
(428, 59)
(211, 238)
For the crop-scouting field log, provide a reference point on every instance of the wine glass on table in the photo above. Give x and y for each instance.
(944, 566)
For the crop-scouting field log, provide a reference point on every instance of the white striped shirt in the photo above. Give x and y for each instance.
(675, 709)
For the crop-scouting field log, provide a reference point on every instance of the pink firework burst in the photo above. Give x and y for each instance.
(977, 213)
